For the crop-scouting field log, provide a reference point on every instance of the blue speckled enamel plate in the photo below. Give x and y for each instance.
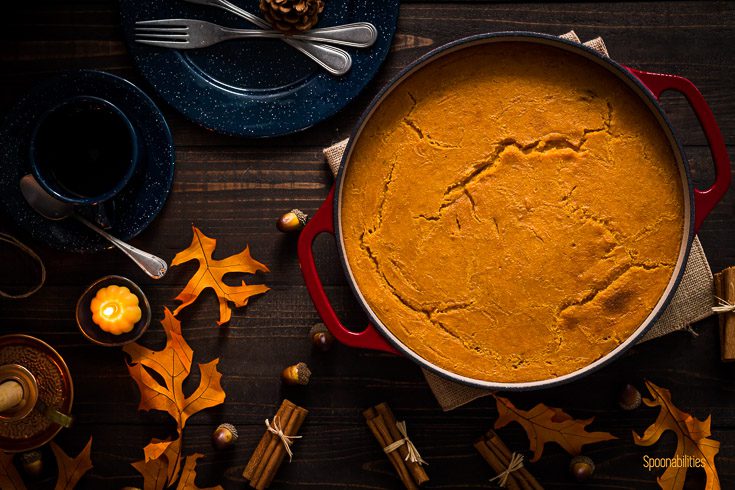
(256, 87)
(134, 208)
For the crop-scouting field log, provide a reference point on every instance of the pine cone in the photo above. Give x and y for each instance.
(292, 16)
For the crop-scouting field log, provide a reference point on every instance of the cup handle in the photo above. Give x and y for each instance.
(322, 222)
(704, 199)
(54, 415)
(102, 213)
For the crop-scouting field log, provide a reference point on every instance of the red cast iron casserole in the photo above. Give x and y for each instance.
(648, 86)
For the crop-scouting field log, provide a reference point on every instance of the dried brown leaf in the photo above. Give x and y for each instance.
(547, 424)
(692, 440)
(188, 475)
(9, 477)
(71, 470)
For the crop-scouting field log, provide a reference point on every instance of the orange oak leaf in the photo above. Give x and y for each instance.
(692, 440)
(547, 424)
(167, 451)
(71, 470)
(154, 473)
(188, 475)
(165, 392)
(173, 365)
(154, 470)
(211, 273)
(9, 477)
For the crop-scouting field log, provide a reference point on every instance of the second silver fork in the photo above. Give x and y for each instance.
(194, 34)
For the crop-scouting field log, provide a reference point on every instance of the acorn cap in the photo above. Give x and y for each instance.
(298, 374)
(302, 216)
(230, 428)
(32, 463)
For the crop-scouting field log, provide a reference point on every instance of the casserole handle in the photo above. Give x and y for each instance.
(323, 222)
(704, 199)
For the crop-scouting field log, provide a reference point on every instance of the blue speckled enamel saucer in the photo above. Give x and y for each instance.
(256, 87)
(134, 208)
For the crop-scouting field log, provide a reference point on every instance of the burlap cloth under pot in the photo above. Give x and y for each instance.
(693, 300)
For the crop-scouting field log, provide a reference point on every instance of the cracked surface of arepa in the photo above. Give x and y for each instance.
(512, 213)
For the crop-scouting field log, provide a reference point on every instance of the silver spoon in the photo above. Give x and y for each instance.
(51, 208)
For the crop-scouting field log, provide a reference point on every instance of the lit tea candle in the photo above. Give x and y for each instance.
(115, 309)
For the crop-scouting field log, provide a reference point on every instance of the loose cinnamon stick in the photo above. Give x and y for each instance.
(257, 456)
(528, 480)
(417, 471)
(725, 289)
(377, 426)
(274, 462)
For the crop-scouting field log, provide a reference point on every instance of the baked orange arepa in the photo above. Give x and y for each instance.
(512, 213)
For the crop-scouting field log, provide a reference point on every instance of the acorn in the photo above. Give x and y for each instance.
(582, 468)
(224, 436)
(292, 221)
(629, 398)
(298, 374)
(32, 463)
(321, 337)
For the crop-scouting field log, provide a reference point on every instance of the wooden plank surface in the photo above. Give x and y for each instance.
(234, 189)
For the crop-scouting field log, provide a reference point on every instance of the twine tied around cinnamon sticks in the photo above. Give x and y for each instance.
(273, 428)
(507, 466)
(723, 306)
(274, 445)
(516, 463)
(413, 454)
(393, 439)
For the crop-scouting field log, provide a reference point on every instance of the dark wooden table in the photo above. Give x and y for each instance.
(234, 189)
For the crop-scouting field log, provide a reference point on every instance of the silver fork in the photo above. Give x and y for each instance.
(335, 60)
(193, 34)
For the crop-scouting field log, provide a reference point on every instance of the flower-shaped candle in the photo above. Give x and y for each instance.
(115, 309)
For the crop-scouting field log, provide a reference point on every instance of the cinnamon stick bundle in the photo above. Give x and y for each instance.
(499, 457)
(271, 449)
(725, 291)
(383, 425)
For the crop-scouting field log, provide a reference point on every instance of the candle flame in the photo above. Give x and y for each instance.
(108, 311)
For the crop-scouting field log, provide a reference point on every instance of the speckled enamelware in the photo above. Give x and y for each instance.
(256, 87)
(47, 180)
(135, 207)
